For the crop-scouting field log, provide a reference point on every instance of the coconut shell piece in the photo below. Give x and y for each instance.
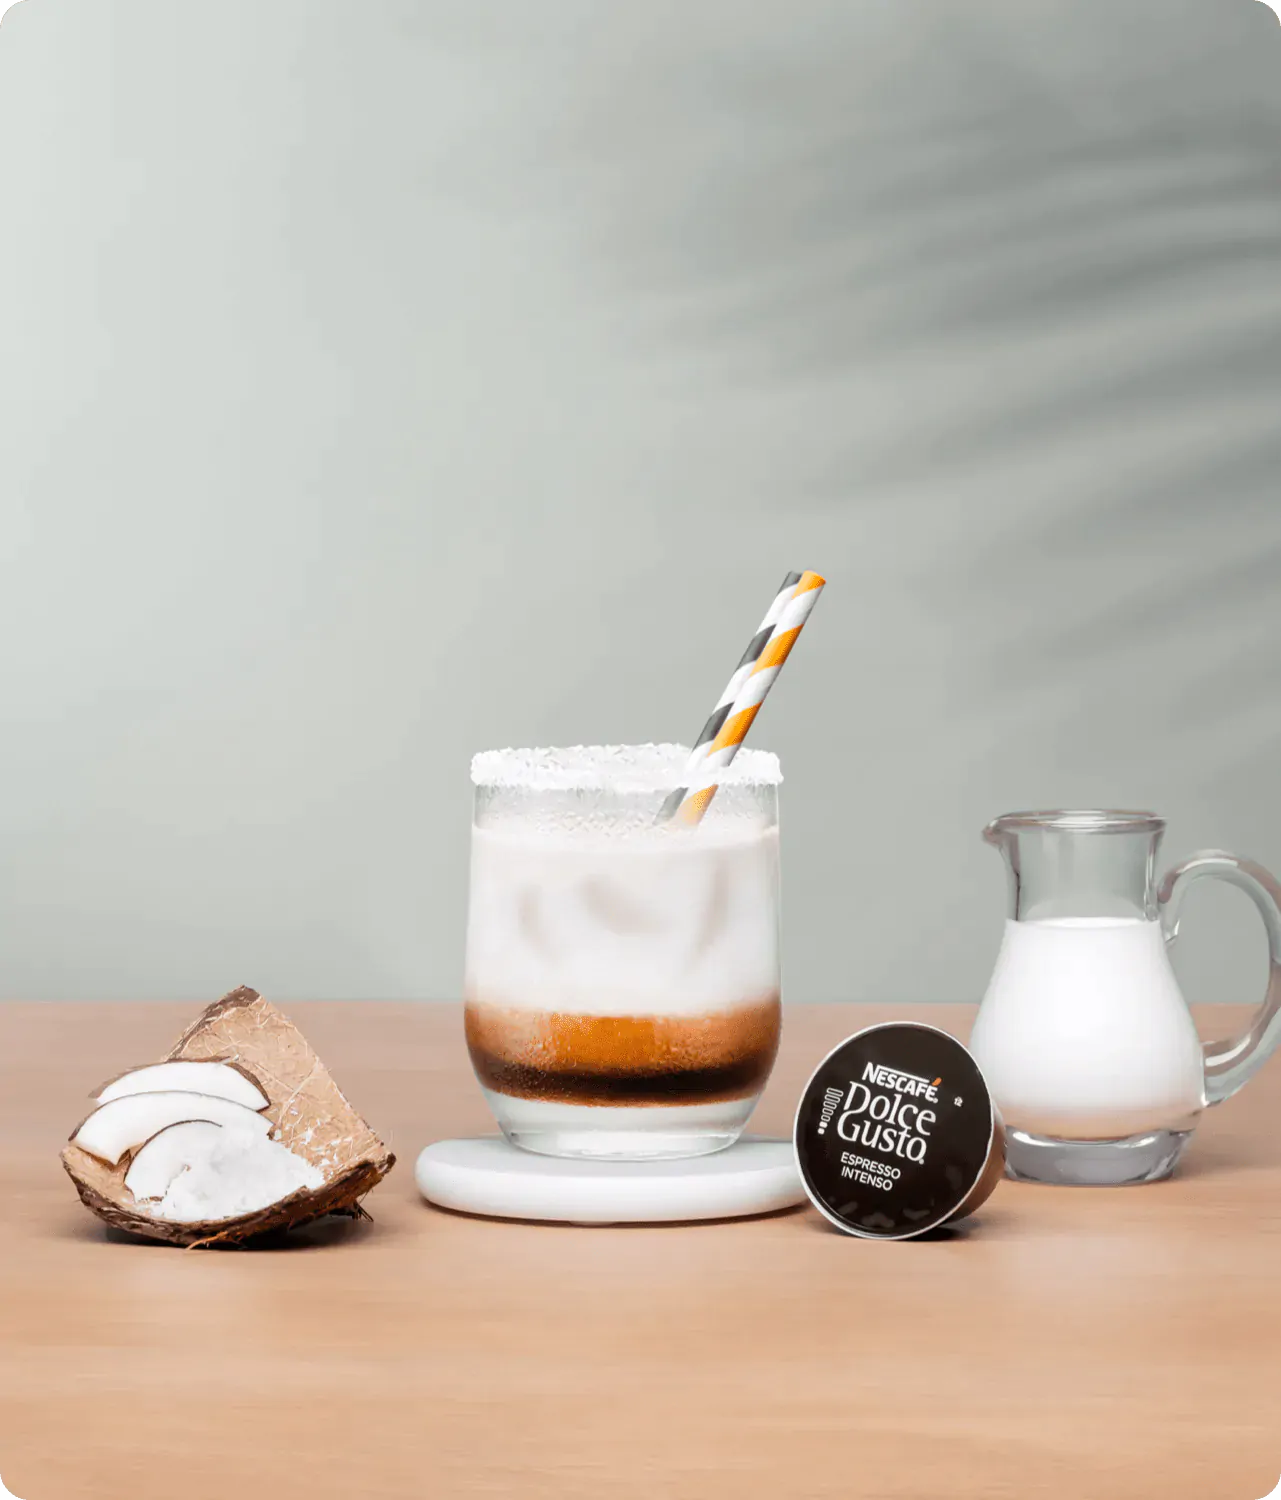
(308, 1112)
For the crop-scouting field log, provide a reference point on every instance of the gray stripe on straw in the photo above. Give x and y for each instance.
(714, 725)
(753, 651)
(672, 802)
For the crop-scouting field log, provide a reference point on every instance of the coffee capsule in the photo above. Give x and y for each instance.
(896, 1133)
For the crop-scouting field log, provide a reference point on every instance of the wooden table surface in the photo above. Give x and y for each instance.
(1080, 1343)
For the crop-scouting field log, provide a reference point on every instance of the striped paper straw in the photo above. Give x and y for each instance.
(746, 665)
(741, 701)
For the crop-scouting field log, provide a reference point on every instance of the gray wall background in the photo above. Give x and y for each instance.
(379, 382)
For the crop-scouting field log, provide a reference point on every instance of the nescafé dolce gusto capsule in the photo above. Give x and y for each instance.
(896, 1133)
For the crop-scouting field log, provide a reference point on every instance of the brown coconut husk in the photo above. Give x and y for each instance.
(309, 1113)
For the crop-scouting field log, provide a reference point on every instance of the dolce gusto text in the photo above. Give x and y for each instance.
(888, 1111)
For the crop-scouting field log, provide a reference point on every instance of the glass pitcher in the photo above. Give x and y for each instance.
(1084, 1037)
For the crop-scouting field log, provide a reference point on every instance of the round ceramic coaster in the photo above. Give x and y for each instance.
(486, 1175)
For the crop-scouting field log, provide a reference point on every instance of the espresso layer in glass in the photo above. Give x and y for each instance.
(646, 1060)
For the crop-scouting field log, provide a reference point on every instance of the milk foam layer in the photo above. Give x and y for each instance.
(661, 922)
(1084, 1034)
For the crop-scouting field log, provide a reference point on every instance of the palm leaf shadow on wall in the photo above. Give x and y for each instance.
(992, 314)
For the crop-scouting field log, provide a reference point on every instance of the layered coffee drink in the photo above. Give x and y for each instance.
(622, 984)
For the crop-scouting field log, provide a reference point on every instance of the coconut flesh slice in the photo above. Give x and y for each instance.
(232, 1175)
(169, 1152)
(199, 1171)
(221, 1079)
(124, 1124)
(308, 1154)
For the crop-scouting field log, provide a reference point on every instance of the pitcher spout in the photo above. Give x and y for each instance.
(995, 835)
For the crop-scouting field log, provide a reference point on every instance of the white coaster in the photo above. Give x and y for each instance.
(486, 1175)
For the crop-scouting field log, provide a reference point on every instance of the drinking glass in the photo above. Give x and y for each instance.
(622, 973)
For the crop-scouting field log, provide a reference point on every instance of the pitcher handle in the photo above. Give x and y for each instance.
(1231, 1064)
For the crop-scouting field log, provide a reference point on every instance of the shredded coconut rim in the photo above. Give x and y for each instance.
(613, 768)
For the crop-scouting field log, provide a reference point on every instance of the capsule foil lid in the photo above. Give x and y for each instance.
(896, 1133)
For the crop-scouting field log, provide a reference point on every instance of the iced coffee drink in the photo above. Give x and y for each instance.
(622, 974)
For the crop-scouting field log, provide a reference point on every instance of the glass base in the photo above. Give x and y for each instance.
(619, 1133)
(1136, 1158)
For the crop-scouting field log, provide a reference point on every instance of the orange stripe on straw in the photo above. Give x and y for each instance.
(692, 809)
(735, 730)
(775, 654)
